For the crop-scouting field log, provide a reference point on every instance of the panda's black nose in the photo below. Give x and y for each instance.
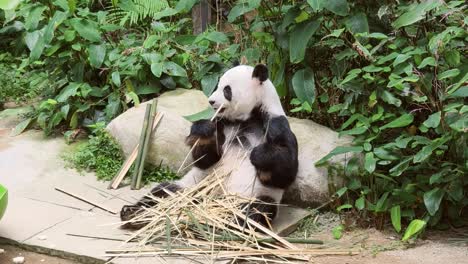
(211, 102)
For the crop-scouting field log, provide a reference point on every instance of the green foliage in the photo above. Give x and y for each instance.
(103, 155)
(100, 153)
(17, 84)
(392, 74)
(414, 228)
(96, 68)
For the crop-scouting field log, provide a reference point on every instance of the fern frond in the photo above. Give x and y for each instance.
(142, 9)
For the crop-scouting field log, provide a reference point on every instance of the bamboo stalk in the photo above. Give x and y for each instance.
(146, 143)
(140, 149)
(131, 158)
(83, 199)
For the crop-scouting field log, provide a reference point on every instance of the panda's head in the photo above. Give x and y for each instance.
(243, 88)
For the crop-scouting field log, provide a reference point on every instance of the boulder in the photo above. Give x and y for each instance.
(167, 146)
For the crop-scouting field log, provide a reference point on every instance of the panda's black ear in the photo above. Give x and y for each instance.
(260, 72)
(235, 63)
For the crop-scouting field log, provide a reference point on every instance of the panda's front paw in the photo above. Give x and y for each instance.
(128, 213)
(259, 157)
(203, 128)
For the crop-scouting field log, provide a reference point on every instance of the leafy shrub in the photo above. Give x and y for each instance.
(102, 154)
(390, 73)
(16, 84)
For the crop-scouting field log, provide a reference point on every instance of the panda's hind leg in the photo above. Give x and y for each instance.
(128, 212)
(262, 211)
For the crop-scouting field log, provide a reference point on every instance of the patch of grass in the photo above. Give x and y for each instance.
(103, 155)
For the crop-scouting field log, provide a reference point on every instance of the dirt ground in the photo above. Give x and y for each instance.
(29, 257)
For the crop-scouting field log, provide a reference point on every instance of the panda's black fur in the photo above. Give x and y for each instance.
(275, 159)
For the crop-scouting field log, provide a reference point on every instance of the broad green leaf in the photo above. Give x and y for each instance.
(377, 35)
(413, 229)
(35, 42)
(69, 90)
(208, 113)
(360, 203)
(339, 7)
(132, 95)
(8, 5)
(432, 200)
(372, 68)
(74, 120)
(336, 151)
(452, 57)
(34, 16)
(379, 207)
(349, 77)
(433, 120)
(427, 61)
(317, 5)
(401, 121)
(150, 41)
(415, 13)
(72, 5)
(427, 151)
(354, 131)
(448, 74)
(299, 38)
(173, 69)
(242, 8)
(395, 214)
(335, 33)
(338, 231)
(65, 109)
(157, 68)
(357, 23)
(184, 6)
(389, 57)
(388, 97)
(58, 18)
(304, 85)
(341, 191)
(400, 59)
(116, 78)
(56, 119)
(86, 28)
(344, 206)
(20, 127)
(97, 53)
(113, 106)
(369, 162)
(400, 167)
(209, 83)
(217, 37)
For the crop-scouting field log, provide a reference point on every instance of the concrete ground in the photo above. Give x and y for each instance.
(49, 221)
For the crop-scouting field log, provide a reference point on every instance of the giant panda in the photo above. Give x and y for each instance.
(250, 138)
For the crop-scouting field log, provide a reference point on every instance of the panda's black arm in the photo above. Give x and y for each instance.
(209, 139)
(278, 155)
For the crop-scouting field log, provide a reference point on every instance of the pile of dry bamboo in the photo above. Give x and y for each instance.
(201, 222)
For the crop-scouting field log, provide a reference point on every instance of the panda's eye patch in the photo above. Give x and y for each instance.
(227, 92)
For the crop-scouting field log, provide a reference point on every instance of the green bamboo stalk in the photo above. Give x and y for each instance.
(149, 128)
(140, 148)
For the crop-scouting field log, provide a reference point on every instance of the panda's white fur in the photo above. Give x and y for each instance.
(247, 93)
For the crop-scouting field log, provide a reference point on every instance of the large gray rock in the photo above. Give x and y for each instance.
(167, 146)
